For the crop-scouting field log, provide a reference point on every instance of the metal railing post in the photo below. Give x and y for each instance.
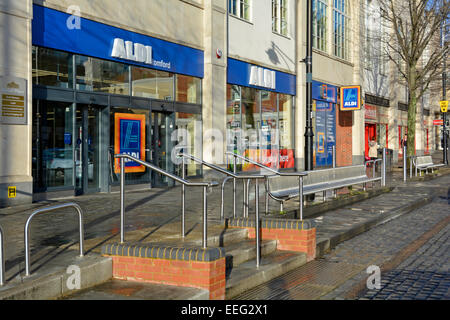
(266, 199)
(334, 156)
(48, 209)
(404, 164)
(122, 199)
(205, 218)
(257, 227)
(247, 201)
(244, 197)
(183, 199)
(234, 187)
(300, 192)
(2, 259)
(383, 180)
(410, 167)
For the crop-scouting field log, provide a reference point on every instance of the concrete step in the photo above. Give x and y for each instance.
(55, 274)
(246, 276)
(241, 251)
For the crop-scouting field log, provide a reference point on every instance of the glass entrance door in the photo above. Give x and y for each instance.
(163, 124)
(87, 149)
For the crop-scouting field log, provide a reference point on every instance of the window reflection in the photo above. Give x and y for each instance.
(52, 156)
(102, 76)
(52, 68)
(189, 89)
(153, 84)
(189, 138)
(269, 132)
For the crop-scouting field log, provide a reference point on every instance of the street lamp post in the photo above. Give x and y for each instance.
(308, 60)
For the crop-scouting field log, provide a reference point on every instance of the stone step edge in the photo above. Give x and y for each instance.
(261, 276)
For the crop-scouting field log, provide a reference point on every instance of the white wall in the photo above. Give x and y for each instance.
(255, 42)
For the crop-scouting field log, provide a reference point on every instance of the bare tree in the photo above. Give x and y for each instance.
(413, 45)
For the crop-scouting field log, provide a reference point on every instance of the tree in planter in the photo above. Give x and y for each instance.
(413, 45)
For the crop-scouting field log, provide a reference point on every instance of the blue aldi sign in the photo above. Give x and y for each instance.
(129, 139)
(350, 98)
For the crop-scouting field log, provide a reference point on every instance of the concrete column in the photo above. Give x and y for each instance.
(358, 69)
(214, 82)
(15, 139)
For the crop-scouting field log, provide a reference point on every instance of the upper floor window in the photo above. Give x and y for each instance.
(279, 17)
(239, 8)
(320, 24)
(340, 29)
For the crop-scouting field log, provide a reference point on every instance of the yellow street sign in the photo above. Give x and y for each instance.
(444, 105)
(11, 192)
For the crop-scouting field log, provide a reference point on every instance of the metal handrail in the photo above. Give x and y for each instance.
(230, 175)
(235, 176)
(300, 176)
(48, 209)
(2, 259)
(374, 161)
(184, 182)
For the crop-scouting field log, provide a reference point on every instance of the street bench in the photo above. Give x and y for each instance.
(423, 163)
(282, 189)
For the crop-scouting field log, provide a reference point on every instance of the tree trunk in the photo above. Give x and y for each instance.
(411, 145)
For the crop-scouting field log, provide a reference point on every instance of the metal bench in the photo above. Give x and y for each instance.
(282, 189)
(423, 163)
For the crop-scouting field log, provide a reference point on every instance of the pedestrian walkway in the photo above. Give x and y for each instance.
(424, 275)
(155, 216)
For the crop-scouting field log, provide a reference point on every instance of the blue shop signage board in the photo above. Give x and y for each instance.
(325, 133)
(248, 75)
(325, 92)
(50, 29)
(129, 138)
(350, 98)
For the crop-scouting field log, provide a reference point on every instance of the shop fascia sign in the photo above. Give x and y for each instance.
(137, 52)
(350, 98)
(262, 77)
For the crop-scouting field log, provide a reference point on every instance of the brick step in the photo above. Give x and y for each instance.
(246, 276)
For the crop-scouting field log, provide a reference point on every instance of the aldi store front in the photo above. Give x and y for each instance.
(101, 90)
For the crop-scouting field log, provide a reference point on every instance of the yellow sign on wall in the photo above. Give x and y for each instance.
(444, 105)
(11, 192)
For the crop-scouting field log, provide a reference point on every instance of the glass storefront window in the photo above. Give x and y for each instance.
(130, 177)
(251, 122)
(101, 75)
(188, 137)
(269, 132)
(260, 127)
(149, 83)
(233, 118)
(52, 148)
(286, 132)
(52, 68)
(189, 89)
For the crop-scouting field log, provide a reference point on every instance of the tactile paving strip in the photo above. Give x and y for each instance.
(308, 282)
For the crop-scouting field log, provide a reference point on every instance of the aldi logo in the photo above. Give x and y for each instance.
(350, 98)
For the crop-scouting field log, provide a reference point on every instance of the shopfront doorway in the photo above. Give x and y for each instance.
(87, 149)
(370, 132)
(163, 125)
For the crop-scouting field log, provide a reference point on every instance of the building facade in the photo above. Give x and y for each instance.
(386, 94)
(86, 80)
